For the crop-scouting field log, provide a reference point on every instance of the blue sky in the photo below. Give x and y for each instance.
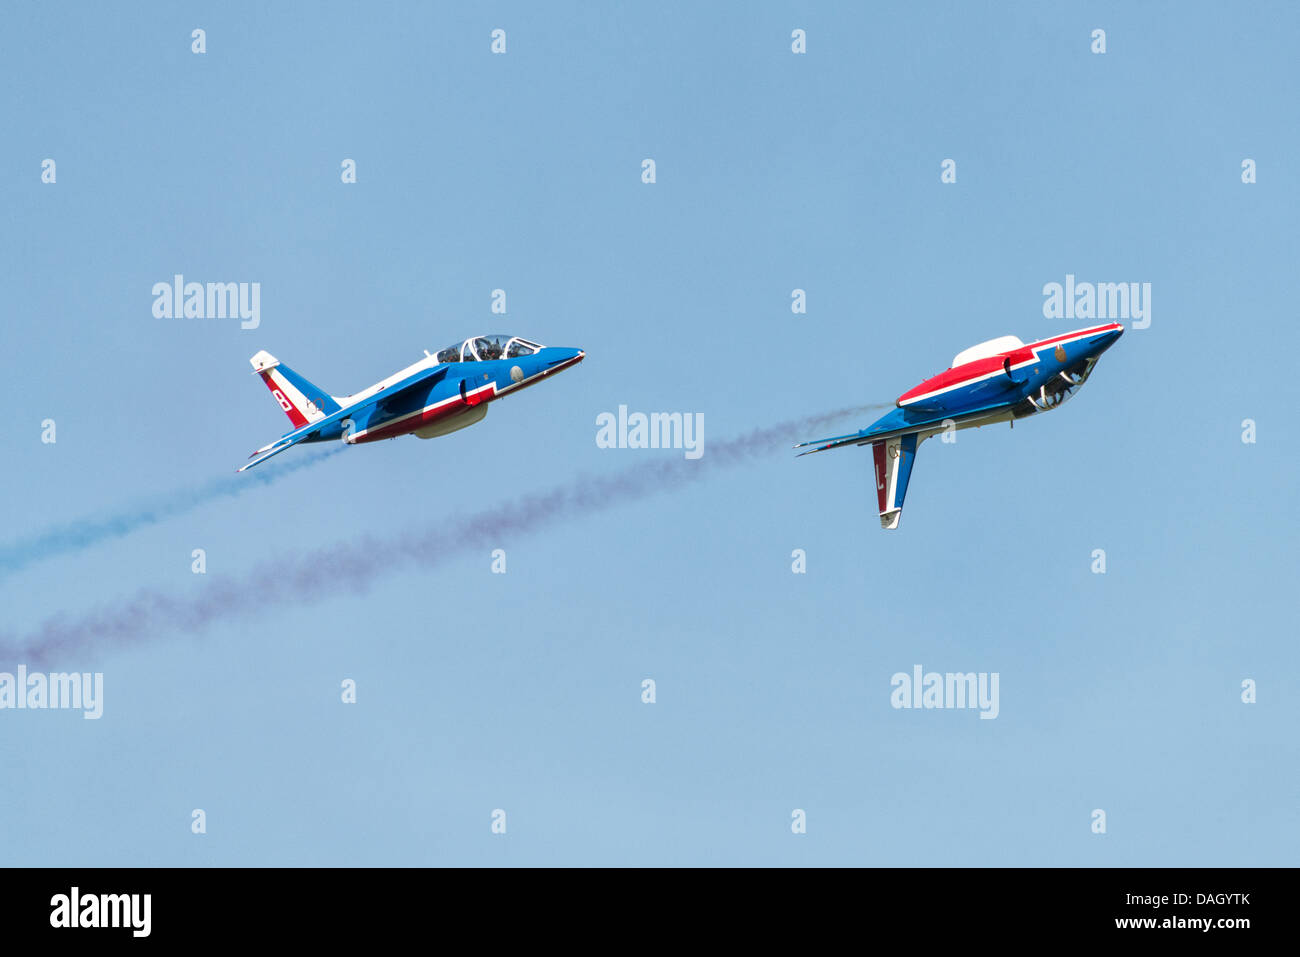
(775, 171)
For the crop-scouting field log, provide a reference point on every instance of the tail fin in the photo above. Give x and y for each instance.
(894, 458)
(302, 402)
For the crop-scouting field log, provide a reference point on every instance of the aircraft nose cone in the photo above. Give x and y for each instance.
(565, 357)
(1108, 339)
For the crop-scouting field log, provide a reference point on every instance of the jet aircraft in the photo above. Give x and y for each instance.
(996, 381)
(439, 394)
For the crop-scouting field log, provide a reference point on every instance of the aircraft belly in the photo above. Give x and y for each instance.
(425, 417)
(451, 423)
(992, 419)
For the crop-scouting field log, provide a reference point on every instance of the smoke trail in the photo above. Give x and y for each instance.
(83, 533)
(357, 563)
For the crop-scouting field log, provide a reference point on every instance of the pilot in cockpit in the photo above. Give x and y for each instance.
(487, 348)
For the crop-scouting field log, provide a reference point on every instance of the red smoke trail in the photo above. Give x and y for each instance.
(359, 562)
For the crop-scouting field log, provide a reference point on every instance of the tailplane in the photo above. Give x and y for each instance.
(301, 401)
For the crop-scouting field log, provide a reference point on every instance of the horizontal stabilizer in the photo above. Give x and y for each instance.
(822, 445)
(264, 453)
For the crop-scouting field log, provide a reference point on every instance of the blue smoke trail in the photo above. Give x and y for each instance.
(86, 532)
(359, 562)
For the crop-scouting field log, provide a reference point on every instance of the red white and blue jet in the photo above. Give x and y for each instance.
(996, 381)
(439, 394)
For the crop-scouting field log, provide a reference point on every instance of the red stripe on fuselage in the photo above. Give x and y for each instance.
(951, 378)
(444, 409)
(1078, 333)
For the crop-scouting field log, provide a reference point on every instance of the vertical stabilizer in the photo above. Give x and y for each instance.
(893, 460)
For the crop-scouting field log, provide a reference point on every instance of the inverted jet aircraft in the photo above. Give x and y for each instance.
(996, 381)
(441, 393)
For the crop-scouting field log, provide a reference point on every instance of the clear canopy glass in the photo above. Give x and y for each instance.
(487, 348)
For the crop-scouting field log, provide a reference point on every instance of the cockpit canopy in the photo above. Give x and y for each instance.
(486, 348)
(984, 350)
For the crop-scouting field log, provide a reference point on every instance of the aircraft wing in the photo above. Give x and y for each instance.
(866, 437)
(423, 377)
